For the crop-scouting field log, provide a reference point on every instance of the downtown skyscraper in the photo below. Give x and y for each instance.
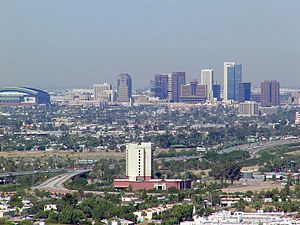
(159, 86)
(232, 78)
(124, 88)
(244, 92)
(270, 93)
(207, 78)
(193, 92)
(175, 80)
(168, 86)
(104, 92)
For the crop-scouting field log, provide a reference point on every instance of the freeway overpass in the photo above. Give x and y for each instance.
(56, 184)
(178, 158)
(24, 173)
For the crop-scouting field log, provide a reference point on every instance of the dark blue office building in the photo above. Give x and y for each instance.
(159, 87)
(217, 91)
(244, 92)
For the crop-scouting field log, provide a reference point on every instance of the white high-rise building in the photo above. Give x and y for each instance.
(207, 78)
(232, 78)
(139, 161)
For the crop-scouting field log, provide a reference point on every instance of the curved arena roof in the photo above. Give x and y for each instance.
(32, 91)
(41, 96)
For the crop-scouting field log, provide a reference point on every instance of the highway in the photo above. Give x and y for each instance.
(254, 148)
(56, 184)
(23, 173)
(178, 158)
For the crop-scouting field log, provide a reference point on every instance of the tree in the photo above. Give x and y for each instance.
(71, 199)
(240, 206)
(226, 170)
(70, 215)
(41, 214)
(26, 222)
(53, 217)
(4, 221)
(173, 190)
(233, 172)
(16, 202)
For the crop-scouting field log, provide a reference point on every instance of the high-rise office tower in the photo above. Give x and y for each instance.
(270, 93)
(103, 92)
(193, 92)
(124, 88)
(217, 91)
(248, 108)
(244, 92)
(175, 80)
(232, 78)
(139, 161)
(159, 87)
(207, 78)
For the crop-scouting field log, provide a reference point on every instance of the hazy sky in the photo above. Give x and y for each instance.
(75, 43)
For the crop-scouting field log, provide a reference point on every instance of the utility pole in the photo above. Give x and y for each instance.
(33, 173)
(184, 177)
(17, 177)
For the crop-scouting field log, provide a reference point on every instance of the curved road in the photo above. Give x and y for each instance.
(56, 184)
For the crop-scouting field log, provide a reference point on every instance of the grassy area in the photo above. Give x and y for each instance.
(73, 155)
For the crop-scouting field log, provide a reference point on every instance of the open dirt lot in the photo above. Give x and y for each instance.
(250, 168)
(252, 186)
(76, 155)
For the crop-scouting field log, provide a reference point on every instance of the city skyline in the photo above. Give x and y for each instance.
(80, 44)
(149, 112)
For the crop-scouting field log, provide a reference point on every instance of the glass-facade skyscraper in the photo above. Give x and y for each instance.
(232, 78)
(159, 87)
(217, 91)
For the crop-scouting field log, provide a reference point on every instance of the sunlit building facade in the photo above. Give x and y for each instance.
(232, 78)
